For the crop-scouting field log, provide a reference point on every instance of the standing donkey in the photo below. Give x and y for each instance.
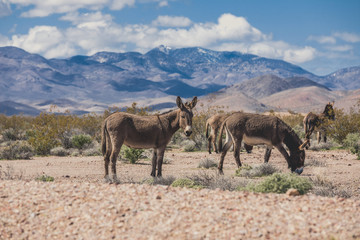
(256, 129)
(214, 123)
(144, 132)
(313, 121)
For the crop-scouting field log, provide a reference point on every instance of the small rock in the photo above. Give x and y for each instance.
(292, 192)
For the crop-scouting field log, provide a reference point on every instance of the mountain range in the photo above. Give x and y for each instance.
(30, 83)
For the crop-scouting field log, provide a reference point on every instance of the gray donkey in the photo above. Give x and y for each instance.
(144, 132)
(256, 129)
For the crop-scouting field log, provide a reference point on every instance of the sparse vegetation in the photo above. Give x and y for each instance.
(207, 163)
(132, 154)
(264, 169)
(325, 188)
(185, 182)
(45, 178)
(16, 150)
(280, 183)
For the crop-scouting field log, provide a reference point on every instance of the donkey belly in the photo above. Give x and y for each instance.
(251, 140)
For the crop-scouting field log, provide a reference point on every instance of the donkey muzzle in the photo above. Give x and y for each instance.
(188, 131)
(299, 170)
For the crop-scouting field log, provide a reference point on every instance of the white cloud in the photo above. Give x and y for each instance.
(42, 8)
(169, 21)
(163, 4)
(323, 39)
(93, 32)
(348, 37)
(5, 9)
(273, 49)
(340, 48)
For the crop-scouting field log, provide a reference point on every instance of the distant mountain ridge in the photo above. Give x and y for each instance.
(154, 78)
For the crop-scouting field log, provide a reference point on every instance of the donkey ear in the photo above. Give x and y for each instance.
(302, 146)
(193, 103)
(179, 103)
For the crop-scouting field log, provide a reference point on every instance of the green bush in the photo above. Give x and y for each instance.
(280, 183)
(45, 178)
(79, 141)
(132, 154)
(17, 150)
(352, 142)
(184, 182)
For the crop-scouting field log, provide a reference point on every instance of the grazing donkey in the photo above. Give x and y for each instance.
(214, 123)
(256, 129)
(313, 121)
(144, 132)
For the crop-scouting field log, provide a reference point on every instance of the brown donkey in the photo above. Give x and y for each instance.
(214, 123)
(256, 129)
(313, 121)
(144, 132)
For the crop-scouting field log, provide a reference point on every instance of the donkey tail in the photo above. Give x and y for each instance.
(220, 146)
(104, 137)
(207, 129)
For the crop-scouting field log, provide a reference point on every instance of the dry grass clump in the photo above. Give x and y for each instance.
(325, 188)
(248, 171)
(207, 163)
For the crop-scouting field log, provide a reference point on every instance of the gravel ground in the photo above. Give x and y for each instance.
(92, 210)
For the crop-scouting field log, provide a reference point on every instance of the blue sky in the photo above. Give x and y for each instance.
(321, 36)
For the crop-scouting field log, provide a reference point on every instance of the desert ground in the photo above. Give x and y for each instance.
(79, 205)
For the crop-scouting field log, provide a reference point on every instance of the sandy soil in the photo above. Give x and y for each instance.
(78, 205)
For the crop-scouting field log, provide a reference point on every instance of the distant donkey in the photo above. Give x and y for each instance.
(214, 123)
(256, 129)
(144, 132)
(314, 121)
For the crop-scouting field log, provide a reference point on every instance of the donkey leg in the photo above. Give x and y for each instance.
(318, 137)
(107, 161)
(153, 163)
(214, 145)
(267, 154)
(325, 138)
(237, 147)
(223, 154)
(160, 157)
(285, 154)
(113, 157)
(209, 143)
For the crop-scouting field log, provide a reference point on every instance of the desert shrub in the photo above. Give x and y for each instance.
(207, 163)
(91, 152)
(216, 181)
(79, 141)
(328, 145)
(264, 169)
(185, 182)
(132, 154)
(17, 150)
(167, 181)
(9, 173)
(189, 146)
(314, 163)
(352, 142)
(59, 151)
(280, 183)
(344, 124)
(45, 178)
(325, 188)
(293, 119)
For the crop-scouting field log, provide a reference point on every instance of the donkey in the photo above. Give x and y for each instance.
(144, 132)
(314, 121)
(214, 123)
(256, 129)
